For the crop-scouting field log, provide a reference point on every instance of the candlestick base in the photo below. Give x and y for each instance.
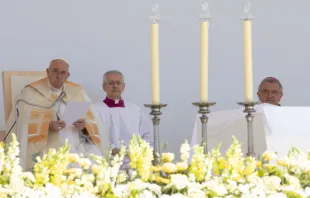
(156, 113)
(249, 110)
(204, 110)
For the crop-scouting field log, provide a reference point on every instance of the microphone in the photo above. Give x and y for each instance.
(60, 97)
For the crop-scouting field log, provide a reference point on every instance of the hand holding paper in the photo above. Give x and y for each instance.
(75, 111)
(80, 124)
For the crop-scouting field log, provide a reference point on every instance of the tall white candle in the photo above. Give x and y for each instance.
(204, 52)
(155, 55)
(248, 65)
(155, 63)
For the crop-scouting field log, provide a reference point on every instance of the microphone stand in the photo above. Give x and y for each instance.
(61, 96)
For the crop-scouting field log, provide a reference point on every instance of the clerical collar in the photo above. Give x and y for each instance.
(114, 103)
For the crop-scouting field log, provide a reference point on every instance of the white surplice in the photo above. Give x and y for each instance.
(222, 125)
(123, 122)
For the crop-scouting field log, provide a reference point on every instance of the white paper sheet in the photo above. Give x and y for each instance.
(74, 111)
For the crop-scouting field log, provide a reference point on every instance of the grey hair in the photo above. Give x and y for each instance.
(111, 72)
(270, 80)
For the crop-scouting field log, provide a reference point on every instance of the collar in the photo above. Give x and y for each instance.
(114, 103)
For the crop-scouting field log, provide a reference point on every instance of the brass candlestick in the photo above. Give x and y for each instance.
(204, 110)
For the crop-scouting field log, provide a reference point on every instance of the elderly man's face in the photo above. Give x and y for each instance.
(58, 73)
(270, 93)
(114, 86)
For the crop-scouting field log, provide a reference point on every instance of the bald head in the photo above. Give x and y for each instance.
(58, 63)
(58, 72)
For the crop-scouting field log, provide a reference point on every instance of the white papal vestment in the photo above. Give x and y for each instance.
(32, 128)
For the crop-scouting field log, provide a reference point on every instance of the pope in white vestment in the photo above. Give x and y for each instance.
(121, 118)
(39, 129)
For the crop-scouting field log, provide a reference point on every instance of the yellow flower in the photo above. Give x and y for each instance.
(144, 172)
(221, 163)
(282, 162)
(169, 167)
(216, 170)
(249, 169)
(182, 166)
(167, 157)
(162, 180)
(73, 171)
(72, 157)
(70, 182)
(84, 163)
(269, 155)
(238, 178)
(269, 167)
(156, 169)
(153, 177)
(258, 164)
(95, 168)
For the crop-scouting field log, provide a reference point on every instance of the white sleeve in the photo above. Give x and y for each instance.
(106, 119)
(146, 128)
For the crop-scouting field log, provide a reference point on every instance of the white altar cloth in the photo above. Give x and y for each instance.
(275, 128)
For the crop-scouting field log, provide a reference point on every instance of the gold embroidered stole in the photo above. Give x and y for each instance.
(38, 126)
(92, 127)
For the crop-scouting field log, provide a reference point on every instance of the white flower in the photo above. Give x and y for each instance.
(244, 188)
(194, 186)
(121, 190)
(195, 193)
(191, 177)
(153, 188)
(84, 195)
(271, 183)
(179, 181)
(84, 163)
(184, 150)
(216, 187)
(231, 186)
(52, 190)
(178, 195)
(307, 191)
(277, 195)
(146, 194)
(292, 181)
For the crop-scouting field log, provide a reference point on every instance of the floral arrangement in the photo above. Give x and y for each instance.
(63, 174)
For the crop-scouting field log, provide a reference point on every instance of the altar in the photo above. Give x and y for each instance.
(275, 129)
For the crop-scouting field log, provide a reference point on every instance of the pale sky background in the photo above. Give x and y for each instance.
(99, 35)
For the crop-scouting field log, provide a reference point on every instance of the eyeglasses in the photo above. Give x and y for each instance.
(112, 83)
(57, 72)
